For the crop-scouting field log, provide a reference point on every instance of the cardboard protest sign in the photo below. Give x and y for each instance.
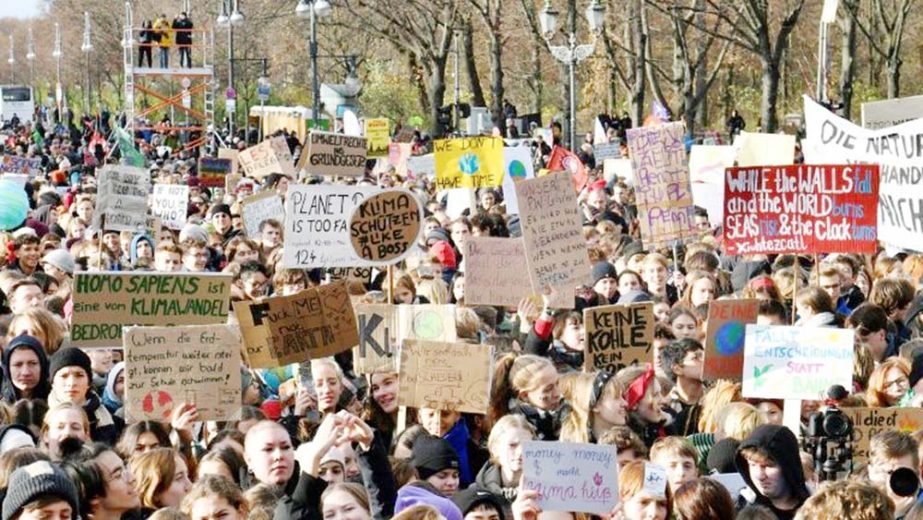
(314, 323)
(270, 156)
(317, 225)
(399, 155)
(618, 336)
(377, 349)
(495, 271)
(801, 209)
(122, 199)
(230, 182)
(168, 366)
(384, 227)
(170, 203)
(572, 477)
(445, 376)
(517, 167)
(232, 154)
(258, 208)
(834, 140)
(755, 149)
(556, 253)
(104, 302)
(724, 337)
(891, 112)
(604, 151)
(469, 162)
(426, 322)
(361, 274)
(30, 166)
(869, 422)
(377, 136)
(796, 362)
(420, 166)
(706, 175)
(662, 191)
(213, 171)
(328, 153)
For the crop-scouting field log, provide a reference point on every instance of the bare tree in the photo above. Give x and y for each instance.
(490, 12)
(847, 24)
(466, 31)
(535, 82)
(890, 18)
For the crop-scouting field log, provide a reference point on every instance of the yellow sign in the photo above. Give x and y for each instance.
(377, 137)
(469, 162)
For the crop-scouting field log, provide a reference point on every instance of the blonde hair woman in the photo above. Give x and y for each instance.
(596, 405)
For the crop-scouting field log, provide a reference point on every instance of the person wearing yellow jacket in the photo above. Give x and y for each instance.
(164, 31)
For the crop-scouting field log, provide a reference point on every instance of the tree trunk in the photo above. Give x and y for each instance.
(770, 94)
(894, 77)
(496, 76)
(535, 81)
(847, 59)
(471, 67)
(436, 93)
(417, 74)
(639, 56)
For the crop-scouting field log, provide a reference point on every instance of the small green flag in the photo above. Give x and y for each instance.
(129, 152)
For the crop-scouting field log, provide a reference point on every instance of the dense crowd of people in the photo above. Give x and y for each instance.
(333, 444)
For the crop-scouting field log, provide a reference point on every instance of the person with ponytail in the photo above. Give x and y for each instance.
(645, 402)
(528, 385)
(596, 405)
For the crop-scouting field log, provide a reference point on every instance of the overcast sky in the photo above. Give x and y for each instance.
(19, 8)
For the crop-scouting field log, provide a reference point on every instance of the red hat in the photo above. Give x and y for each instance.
(638, 388)
(272, 408)
(444, 253)
(598, 185)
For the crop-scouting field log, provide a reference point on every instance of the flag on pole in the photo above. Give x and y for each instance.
(127, 145)
(562, 159)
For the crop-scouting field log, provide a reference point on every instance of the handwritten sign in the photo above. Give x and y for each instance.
(30, 166)
(170, 203)
(104, 302)
(359, 274)
(796, 362)
(384, 227)
(232, 154)
(122, 198)
(469, 162)
(495, 272)
(724, 337)
(801, 209)
(662, 191)
(377, 349)
(420, 166)
(618, 336)
(317, 226)
(706, 174)
(378, 137)
(333, 154)
(270, 156)
(258, 208)
(445, 376)
(426, 322)
(869, 422)
(570, 476)
(518, 167)
(556, 253)
(315, 323)
(167, 366)
(604, 151)
(213, 171)
(891, 112)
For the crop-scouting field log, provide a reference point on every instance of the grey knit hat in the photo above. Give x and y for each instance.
(60, 259)
(37, 479)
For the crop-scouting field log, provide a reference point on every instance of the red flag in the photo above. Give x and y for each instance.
(562, 159)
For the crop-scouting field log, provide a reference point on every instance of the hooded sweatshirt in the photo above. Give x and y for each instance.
(418, 493)
(9, 392)
(133, 250)
(111, 401)
(780, 443)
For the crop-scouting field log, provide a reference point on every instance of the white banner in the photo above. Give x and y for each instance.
(170, 204)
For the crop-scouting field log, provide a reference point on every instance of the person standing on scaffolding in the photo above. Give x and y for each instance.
(183, 27)
(164, 32)
(146, 39)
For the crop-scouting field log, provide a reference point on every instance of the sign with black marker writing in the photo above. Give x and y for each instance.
(445, 376)
(618, 336)
(378, 335)
(384, 227)
(328, 153)
(170, 203)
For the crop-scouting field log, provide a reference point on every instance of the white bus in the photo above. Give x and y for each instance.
(16, 100)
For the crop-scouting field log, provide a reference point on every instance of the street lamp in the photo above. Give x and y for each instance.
(314, 9)
(230, 17)
(30, 55)
(57, 54)
(87, 48)
(572, 54)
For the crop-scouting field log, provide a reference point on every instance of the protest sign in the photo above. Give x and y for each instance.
(377, 136)
(572, 477)
(213, 171)
(801, 209)
(517, 167)
(232, 154)
(618, 169)
(755, 149)
(618, 336)
(30, 166)
(662, 192)
(170, 203)
(328, 153)
(317, 227)
(706, 175)
(230, 182)
(834, 140)
(495, 271)
(360, 274)
(724, 337)
(891, 112)
(258, 208)
(604, 151)
(314, 323)
(167, 366)
(122, 199)
(869, 422)
(270, 156)
(556, 253)
(427, 322)
(445, 376)
(420, 166)
(384, 227)
(469, 162)
(796, 362)
(105, 301)
(399, 155)
(377, 349)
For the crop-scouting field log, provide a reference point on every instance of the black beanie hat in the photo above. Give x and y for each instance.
(602, 270)
(70, 357)
(219, 208)
(37, 479)
(722, 456)
(432, 455)
(470, 498)
(916, 370)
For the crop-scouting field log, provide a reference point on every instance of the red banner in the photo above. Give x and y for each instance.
(801, 209)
